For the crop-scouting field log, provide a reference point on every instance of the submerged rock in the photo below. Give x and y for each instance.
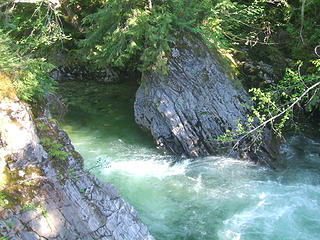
(45, 192)
(198, 101)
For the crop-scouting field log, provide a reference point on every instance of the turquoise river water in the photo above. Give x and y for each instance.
(207, 198)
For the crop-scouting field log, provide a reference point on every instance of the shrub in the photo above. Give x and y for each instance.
(30, 76)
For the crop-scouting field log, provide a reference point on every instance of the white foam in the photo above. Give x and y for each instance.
(158, 169)
(198, 185)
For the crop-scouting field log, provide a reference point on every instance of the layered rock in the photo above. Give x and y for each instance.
(45, 192)
(198, 101)
(71, 73)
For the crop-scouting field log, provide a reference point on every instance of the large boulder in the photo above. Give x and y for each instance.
(196, 102)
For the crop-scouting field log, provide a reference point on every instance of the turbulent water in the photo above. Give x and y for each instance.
(208, 198)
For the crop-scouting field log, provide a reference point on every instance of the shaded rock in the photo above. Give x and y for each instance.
(196, 102)
(82, 73)
(260, 66)
(28, 235)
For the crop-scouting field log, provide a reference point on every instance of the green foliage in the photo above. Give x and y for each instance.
(30, 76)
(42, 126)
(276, 106)
(128, 34)
(252, 141)
(53, 148)
(43, 211)
(3, 199)
(280, 24)
(304, 31)
(279, 97)
(10, 224)
(229, 23)
(70, 174)
(231, 136)
(34, 81)
(34, 27)
(32, 207)
(28, 207)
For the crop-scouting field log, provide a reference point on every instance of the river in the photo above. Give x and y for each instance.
(207, 198)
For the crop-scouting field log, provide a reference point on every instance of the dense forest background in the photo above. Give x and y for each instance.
(135, 35)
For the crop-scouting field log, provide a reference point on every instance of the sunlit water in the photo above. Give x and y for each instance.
(208, 198)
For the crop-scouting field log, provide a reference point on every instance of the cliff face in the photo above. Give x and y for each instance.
(45, 192)
(198, 101)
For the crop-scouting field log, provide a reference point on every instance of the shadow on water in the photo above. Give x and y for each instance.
(106, 109)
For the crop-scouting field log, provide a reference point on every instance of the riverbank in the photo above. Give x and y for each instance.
(45, 192)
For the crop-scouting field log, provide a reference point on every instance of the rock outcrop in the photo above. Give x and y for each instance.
(196, 102)
(71, 73)
(45, 192)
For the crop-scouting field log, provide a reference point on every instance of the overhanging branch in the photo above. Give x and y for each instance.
(276, 116)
